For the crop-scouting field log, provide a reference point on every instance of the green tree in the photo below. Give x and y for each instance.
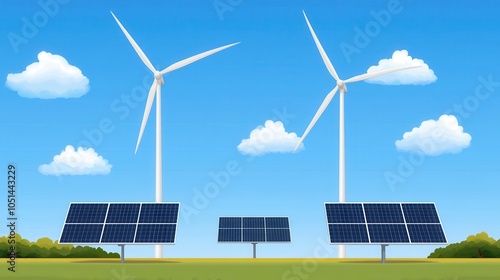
(46, 248)
(45, 242)
(475, 246)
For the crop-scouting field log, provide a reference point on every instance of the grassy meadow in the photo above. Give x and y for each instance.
(242, 269)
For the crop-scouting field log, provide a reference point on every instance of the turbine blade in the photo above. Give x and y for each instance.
(149, 104)
(325, 58)
(320, 111)
(194, 58)
(136, 47)
(375, 74)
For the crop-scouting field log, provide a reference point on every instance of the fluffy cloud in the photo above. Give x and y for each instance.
(270, 138)
(82, 161)
(417, 76)
(50, 77)
(434, 138)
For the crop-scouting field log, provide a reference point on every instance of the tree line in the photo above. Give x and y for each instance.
(46, 248)
(475, 246)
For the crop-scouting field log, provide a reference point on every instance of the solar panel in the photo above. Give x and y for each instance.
(426, 233)
(383, 213)
(118, 233)
(388, 233)
(254, 235)
(230, 235)
(348, 233)
(155, 233)
(123, 213)
(87, 213)
(278, 235)
(81, 233)
(230, 222)
(253, 222)
(384, 223)
(154, 213)
(277, 222)
(345, 213)
(420, 213)
(120, 223)
(254, 229)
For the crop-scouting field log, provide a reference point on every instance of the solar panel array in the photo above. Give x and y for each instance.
(120, 223)
(384, 223)
(254, 229)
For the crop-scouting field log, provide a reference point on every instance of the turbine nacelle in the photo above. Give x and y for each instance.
(341, 85)
(159, 78)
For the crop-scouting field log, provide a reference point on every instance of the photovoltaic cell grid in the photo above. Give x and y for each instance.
(384, 223)
(87, 213)
(377, 213)
(345, 213)
(420, 213)
(123, 213)
(254, 229)
(120, 223)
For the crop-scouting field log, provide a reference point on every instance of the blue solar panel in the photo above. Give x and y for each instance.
(81, 233)
(230, 222)
(87, 213)
(278, 235)
(345, 213)
(230, 235)
(348, 233)
(387, 223)
(156, 213)
(277, 222)
(253, 222)
(426, 233)
(254, 235)
(117, 223)
(383, 213)
(254, 229)
(420, 213)
(155, 233)
(388, 233)
(122, 213)
(118, 233)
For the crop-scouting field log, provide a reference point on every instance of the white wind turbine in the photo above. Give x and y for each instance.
(341, 85)
(156, 89)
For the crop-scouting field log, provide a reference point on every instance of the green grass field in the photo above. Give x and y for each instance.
(254, 269)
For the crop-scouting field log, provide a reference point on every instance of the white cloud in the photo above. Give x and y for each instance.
(270, 138)
(434, 138)
(417, 76)
(83, 161)
(50, 77)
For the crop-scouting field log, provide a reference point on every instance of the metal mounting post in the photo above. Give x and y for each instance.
(383, 252)
(122, 255)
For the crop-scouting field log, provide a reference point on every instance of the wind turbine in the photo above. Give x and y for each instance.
(341, 86)
(156, 89)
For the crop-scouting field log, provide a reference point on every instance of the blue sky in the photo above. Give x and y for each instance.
(277, 74)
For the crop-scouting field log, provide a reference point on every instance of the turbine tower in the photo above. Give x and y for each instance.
(341, 86)
(156, 90)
